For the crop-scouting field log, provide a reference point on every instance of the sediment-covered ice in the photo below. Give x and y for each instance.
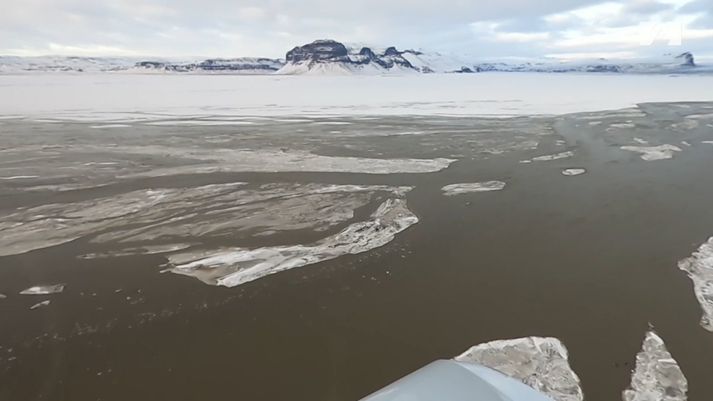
(657, 376)
(43, 289)
(699, 267)
(178, 215)
(539, 362)
(650, 153)
(573, 171)
(232, 267)
(464, 188)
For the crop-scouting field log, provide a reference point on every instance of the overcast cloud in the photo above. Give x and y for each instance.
(228, 28)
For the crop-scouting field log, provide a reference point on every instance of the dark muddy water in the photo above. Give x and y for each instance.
(589, 259)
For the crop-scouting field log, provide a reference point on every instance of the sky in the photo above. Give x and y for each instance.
(564, 29)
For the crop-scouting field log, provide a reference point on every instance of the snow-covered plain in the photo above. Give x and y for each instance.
(121, 98)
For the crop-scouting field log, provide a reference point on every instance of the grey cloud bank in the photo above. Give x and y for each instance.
(221, 28)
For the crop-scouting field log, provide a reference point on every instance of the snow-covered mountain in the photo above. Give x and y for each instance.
(15, 65)
(243, 65)
(329, 56)
(332, 57)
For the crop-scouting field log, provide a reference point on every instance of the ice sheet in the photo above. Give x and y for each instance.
(232, 267)
(650, 153)
(422, 94)
(464, 188)
(699, 267)
(540, 362)
(657, 376)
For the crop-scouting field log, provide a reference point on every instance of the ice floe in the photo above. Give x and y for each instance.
(3, 296)
(43, 289)
(657, 376)
(622, 125)
(180, 215)
(18, 177)
(40, 304)
(198, 122)
(464, 188)
(110, 126)
(699, 267)
(143, 250)
(539, 362)
(650, 153)
(573, 171)
(268, 160)
(556, 156)
(232, 267)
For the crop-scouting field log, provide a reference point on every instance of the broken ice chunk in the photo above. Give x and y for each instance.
(650, 153)
(43, 289)
(573, 171)
(539, 362)
(657, 375)
(485, 186)
(3, 296)
(40, 304)
(699, 267)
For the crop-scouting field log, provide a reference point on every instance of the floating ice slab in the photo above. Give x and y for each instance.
(3, 296)
(539, 362)
(650, 153)
(699, 268)
(556, 156)
(40, 304)
(43, 289)
(573, 171)
(657, 376)
(464, 188)
(236, 266)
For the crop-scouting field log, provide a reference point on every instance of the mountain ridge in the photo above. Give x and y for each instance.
(330, 57)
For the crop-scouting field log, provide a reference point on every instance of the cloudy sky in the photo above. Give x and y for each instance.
(226, 28)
